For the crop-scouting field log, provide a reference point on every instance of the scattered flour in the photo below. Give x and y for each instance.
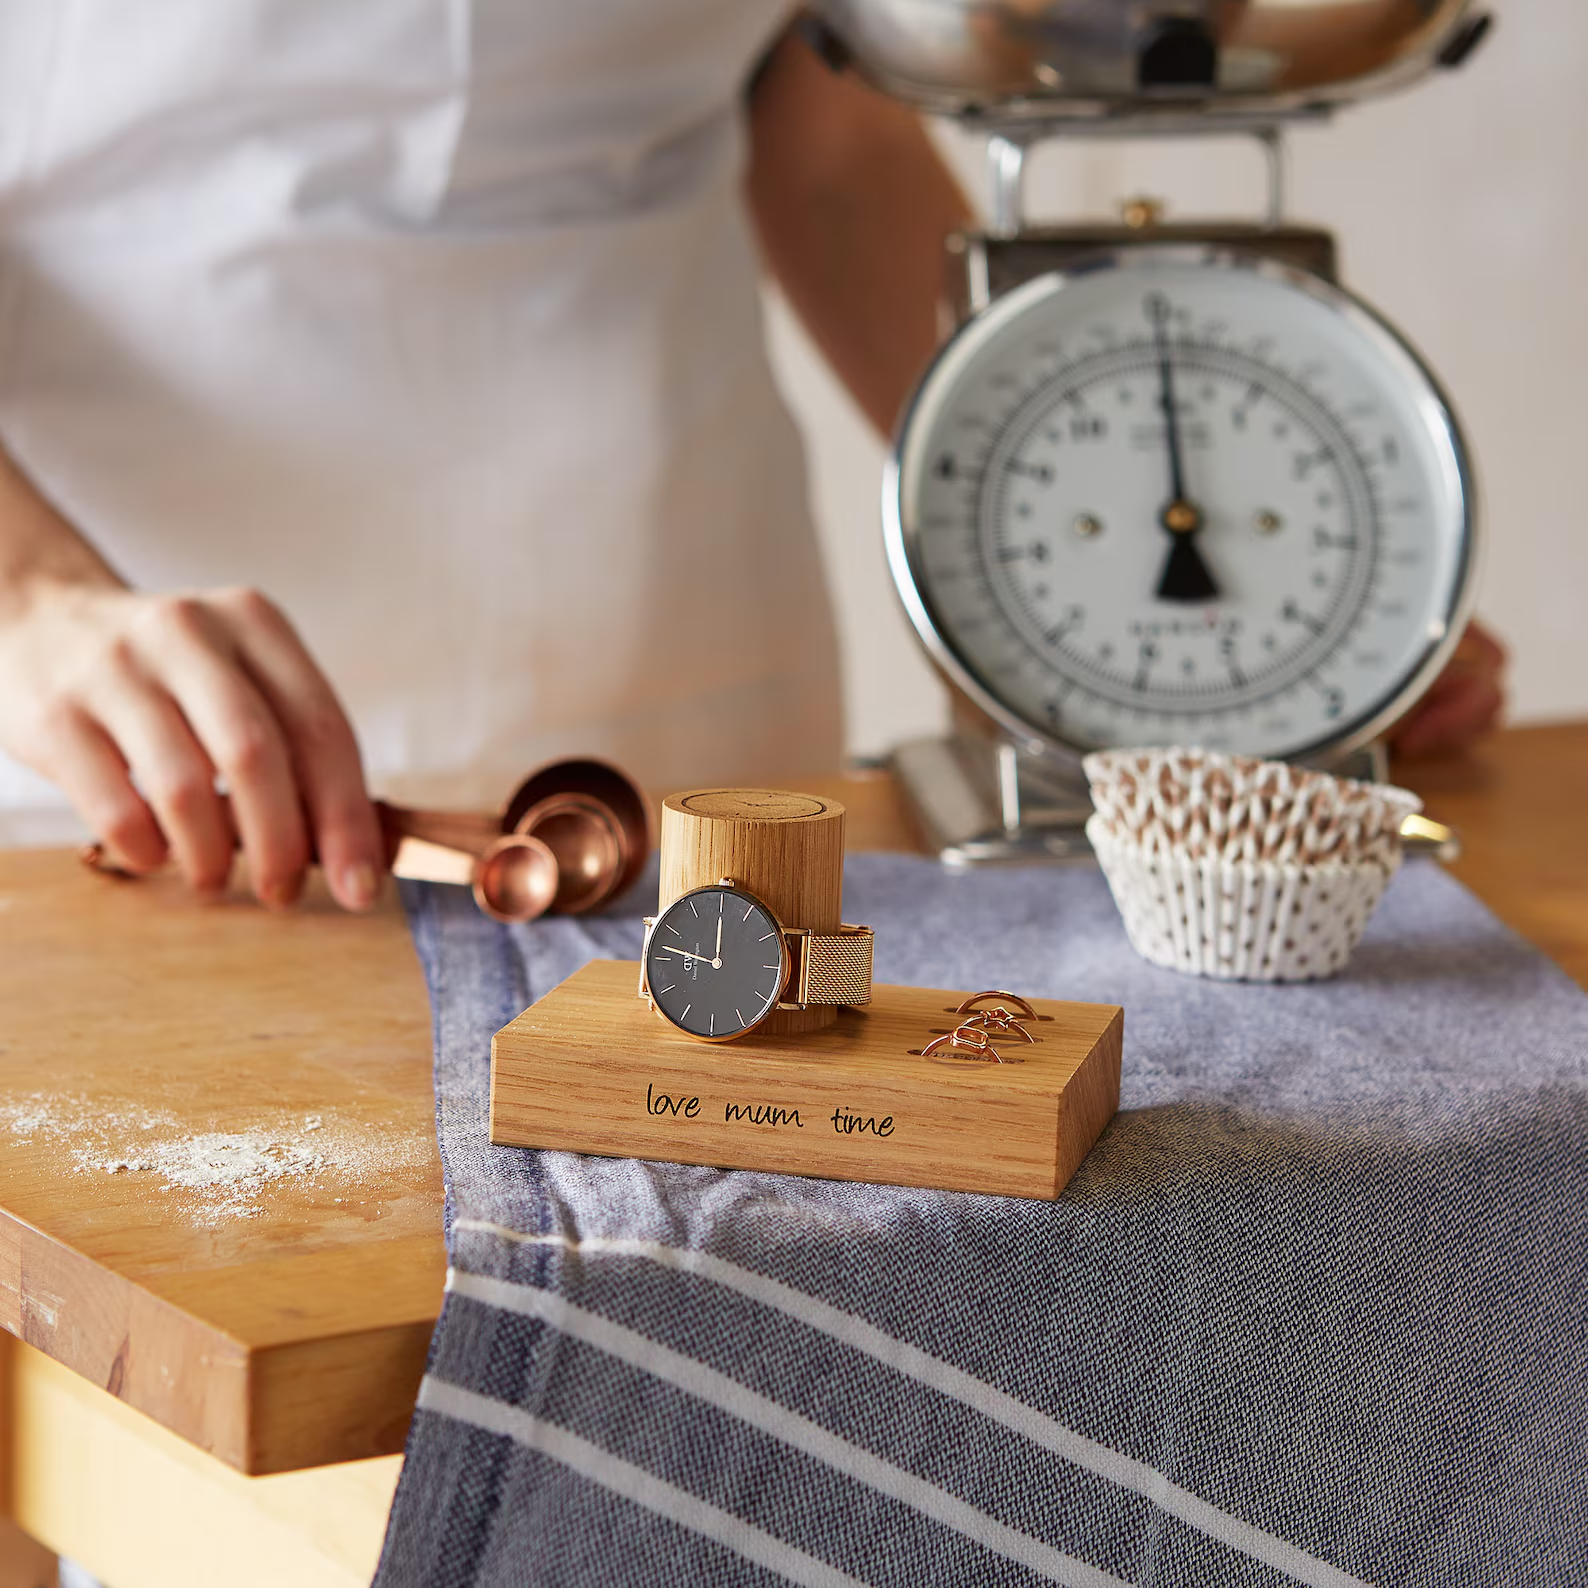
(230, 1168)
(29, 1122)
(217, 1176)
(55, 1115)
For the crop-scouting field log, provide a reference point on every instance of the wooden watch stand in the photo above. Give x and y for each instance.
(844, 1093)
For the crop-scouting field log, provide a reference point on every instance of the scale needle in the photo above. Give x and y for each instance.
(1185, 575)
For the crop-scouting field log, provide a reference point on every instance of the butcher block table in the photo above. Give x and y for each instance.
(220, 1200)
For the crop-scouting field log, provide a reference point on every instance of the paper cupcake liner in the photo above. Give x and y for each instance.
(1252, 920)
(1205, 804)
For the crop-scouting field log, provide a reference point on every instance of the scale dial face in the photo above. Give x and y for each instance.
(715, 962)
(1180, 495)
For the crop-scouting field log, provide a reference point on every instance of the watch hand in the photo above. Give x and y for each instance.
(1185, 575)
(719, 937)
(687, 953)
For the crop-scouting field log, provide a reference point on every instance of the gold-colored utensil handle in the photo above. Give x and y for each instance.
(1420, 836)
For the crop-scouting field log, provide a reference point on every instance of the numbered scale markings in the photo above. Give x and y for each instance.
(1183, 495)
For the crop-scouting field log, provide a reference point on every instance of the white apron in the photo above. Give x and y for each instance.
(438, 323)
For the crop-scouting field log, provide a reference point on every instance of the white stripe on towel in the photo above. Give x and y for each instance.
(948, 1380)
(633, 1483)
(707, 1384)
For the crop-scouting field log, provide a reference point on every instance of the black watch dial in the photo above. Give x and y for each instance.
(715, 963)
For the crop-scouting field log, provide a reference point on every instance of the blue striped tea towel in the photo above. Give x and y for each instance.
(1315, 1310)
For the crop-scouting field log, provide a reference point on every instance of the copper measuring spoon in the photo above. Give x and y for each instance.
(587, 813)
(584, 836)
(596, 820)
(513, 876)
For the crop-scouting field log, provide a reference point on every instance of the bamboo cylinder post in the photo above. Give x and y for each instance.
(787, 849)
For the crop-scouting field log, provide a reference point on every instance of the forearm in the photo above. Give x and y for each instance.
(852, 204)
(38, 546)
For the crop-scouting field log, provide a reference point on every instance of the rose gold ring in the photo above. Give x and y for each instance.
(970, 1037)
(998, 1019)
(1026, 1011)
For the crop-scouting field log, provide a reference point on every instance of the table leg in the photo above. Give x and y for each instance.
(90, 1478)
(24, 1562)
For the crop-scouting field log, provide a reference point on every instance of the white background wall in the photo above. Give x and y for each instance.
(1458, 206)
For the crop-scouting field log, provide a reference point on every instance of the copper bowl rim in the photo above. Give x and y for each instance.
(608, 785)
(603, 830)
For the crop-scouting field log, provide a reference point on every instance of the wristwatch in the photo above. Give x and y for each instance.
(717, 961)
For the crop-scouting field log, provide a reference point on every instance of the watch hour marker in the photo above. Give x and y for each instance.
(693, 911)
(763, 939)
(685, 1011)
(739, 1017)
(711, 1027)
(669, 987)
(746, 915)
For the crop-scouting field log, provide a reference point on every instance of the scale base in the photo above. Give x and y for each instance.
(981, 800)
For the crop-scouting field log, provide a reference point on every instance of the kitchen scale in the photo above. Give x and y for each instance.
(1165, 483)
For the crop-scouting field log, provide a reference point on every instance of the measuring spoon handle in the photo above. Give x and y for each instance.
(466, 830)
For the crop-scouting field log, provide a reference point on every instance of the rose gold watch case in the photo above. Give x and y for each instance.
(785, 959)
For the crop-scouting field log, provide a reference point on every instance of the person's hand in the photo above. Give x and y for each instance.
(136, 704)
(1464, 702)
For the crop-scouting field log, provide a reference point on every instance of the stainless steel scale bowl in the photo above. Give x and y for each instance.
(1043, 60)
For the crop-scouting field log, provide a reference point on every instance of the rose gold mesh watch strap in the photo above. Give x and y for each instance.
(834, 967)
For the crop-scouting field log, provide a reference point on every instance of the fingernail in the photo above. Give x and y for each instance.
(358, 886)
(283, 895)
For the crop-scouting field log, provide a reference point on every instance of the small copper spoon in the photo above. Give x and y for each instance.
(516, 879)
